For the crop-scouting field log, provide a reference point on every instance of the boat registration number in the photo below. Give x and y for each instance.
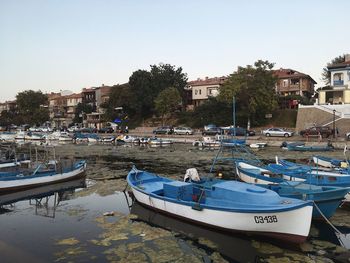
(265, 219)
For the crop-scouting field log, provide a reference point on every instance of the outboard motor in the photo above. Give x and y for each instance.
(284, 145)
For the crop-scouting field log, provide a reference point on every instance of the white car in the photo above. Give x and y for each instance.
(183, 130)
(277, 132)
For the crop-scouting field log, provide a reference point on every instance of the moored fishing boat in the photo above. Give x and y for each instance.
(306, 148)
(107, 139)
(158, 141)
(8, 136)
(326, 198)
(13, 181)
(329, 162)
(229, 205)
(258, 145)
(311, 176)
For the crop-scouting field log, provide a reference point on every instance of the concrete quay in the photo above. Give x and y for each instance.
(338, 143)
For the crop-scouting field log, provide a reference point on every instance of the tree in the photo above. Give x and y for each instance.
(145, 86)
(81, 109)
(326, 75)
(167, 101)
(120, 97)
(32, 106)
(164, 76)
(254, 90)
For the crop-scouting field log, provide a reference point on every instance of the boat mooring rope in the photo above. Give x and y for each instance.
(327, 220)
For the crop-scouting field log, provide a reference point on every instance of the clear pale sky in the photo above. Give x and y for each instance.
(71, 44)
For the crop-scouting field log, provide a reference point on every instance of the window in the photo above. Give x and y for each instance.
(200, 92)
(195, 92)
(285, 83)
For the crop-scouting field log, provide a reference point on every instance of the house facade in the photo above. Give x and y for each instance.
(62, 107)
(203, 89)
(339, 90)
(292, 82)
(8, 106)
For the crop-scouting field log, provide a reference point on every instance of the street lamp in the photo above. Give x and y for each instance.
(334, 123)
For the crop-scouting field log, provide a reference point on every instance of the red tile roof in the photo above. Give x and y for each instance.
(207, 81)
(290, 73)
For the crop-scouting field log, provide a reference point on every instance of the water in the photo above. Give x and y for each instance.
(68, 225)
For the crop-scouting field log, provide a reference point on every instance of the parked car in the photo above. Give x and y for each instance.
(183, 130)
(209, 126)
(163, 130)
(106, 130)
(212, 131)
(74, 129)
(316, 130)
(238, 131)
(277, 132)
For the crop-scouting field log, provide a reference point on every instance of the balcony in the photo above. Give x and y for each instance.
(338, 82)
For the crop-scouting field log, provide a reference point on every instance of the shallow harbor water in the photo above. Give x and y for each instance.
(99, 223)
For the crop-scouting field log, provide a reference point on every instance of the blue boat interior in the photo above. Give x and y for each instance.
(216, 194)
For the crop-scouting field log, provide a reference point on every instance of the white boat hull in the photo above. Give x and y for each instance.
(249, 179)
(18, 184)
(323, 163)
(238, 221)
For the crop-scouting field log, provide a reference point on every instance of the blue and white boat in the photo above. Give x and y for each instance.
(305, 173)
(329, 162)
(327, 198)
(307, 148)
(159, 141)
(19, 180)
(228, 205)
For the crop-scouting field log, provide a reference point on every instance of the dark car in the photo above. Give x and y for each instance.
(315, 131)
(240, 132)
(212, 131)
(106, 130)
(88, 130)
(163, 130)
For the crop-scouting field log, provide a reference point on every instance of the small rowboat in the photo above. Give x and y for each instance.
(228, 205)
(18, 181)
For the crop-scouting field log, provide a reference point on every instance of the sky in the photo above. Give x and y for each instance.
(73, 44)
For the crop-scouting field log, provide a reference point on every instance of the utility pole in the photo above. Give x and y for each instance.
(334, 123)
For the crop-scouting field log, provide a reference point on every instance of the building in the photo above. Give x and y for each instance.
(102, 96)
(8, 106)
(62, 107)
(292, 82)
(203, 89)
(339, 90)
(332, 108)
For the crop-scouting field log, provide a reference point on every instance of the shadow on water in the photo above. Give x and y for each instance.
(233, 248)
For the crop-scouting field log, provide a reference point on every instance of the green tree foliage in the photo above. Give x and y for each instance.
(141, 87)
(326, 75)
(8, 117)
(146, 86)
(120, 96)
(81, 108)
(32, 107)
(254, 90)
(212, 111)
(167, 101)
(164, 76)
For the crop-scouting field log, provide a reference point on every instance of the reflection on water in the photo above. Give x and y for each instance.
(45, 228)
(230, 246)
